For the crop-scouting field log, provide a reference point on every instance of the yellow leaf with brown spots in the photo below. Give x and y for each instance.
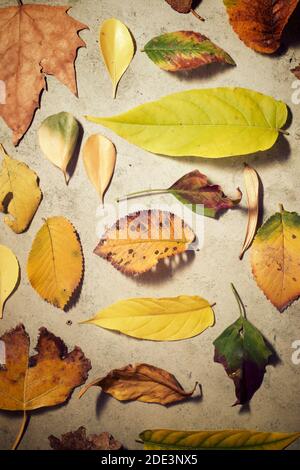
(35, 41)
(43, 380)
(137, 242)
(275, 258)
(55, 263)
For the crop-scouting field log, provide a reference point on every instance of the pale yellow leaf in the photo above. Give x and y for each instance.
(252, 190)
(58, 137)
(117, 49)
(9, 274)
(20, 194)
(55, 262)
(157, 319)
(99, 158)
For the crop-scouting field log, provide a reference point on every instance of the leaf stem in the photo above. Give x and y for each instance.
(239, 302)
(197, 16)
(146, 192)
(281, 208)
(20, 3)
(21, 432)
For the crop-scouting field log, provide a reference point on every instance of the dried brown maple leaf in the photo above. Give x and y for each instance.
(142, 382)
(78, 440)
(45, 379)
(260, 23)
(137, 242)
(35, 41)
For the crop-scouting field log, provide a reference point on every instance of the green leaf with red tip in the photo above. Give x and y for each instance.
(184, 50)
(243, 352)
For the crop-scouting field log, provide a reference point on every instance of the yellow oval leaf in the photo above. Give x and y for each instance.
(99, 158)
(9, 274)
(58, 137)
(55, 262)
(167, 439)
(136, 243)
(117, 49)
(157, 319)
(20, 194)
(275, 258)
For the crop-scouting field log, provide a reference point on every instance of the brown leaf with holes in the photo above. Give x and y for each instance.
(78, 440)
(260, 23)
(142, 382)
(35, 41)
(137, 242)
(181, 6)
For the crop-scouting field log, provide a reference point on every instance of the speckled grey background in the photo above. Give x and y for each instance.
(276, 405)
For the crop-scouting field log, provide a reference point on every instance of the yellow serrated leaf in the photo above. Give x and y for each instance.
(9, 274)
(55, 262)
(117, 49)
(157, 319)
(20, 194)
(275, 258)
(238, 439)
(99, 158)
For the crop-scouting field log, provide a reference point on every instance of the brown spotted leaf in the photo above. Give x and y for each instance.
(181, 6)
(137, 242)
(78, 440)
(260, 23)
(142, 382)
(35, 41)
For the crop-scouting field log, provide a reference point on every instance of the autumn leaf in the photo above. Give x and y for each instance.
(20, 194)
(275, 258)
(260, 23)
(194, 190)
(237, 439)
(117, 48)
(99, 158)
(58, 138)
(181, 6)
(157, 319)
(43, 380)
(35, 41)
(55, 262)
(9, 275)
(253, 197)
(212, 123)
(137, 242)
(78, 440)
(141, 382)
(243, 352)
(184, 50)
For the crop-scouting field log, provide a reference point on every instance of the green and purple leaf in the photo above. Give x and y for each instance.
(243, 352)
(184, 50)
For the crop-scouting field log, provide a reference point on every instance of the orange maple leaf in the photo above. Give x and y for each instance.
(35, 41)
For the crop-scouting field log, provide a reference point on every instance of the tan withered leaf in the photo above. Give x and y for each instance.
(141, 382)
(137, 242)
(78, 440)
(253, 197)
(43, 380)
(35, 41)
(260, 23)
(20, 194)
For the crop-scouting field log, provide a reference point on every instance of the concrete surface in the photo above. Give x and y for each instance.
(276, 405)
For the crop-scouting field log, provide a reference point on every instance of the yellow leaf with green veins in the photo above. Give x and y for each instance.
(167, 439)
(275, 258)
(157, 319)
(212, 123)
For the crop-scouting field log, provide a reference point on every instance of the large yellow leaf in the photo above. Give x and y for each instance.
(275, 258)
(20, 194)
(167, 439)
(136, 243)
(117, 49)
(216, 122)
(157, 319)
(55, 263)
(9, 274)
